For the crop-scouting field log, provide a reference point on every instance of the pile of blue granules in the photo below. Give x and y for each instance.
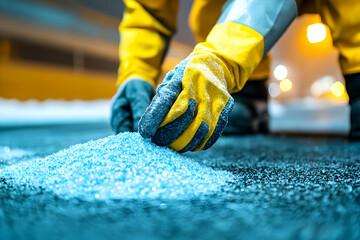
(124, 166)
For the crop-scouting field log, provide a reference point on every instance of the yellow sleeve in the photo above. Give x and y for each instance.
(245, 32)
(145, 32)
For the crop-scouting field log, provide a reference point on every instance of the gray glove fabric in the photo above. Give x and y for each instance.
(129, 104)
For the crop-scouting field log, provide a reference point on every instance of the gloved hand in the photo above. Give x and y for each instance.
(129, 103)
(191, 107)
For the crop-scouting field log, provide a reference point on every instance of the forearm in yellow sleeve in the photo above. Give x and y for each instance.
(245, 32)
(145, 33)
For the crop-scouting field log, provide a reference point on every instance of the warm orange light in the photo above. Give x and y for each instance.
(286, 85)
(316, 32)
(338, 89)
(322, 85)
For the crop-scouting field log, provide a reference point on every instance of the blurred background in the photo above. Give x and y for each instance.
(59, 61)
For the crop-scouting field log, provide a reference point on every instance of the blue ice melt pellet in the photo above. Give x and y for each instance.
(124, 166)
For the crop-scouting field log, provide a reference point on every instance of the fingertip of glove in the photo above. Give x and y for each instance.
(198, 138)
(171, 131)
(144, 130)
(221, 124)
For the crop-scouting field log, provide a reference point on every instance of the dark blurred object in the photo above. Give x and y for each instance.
(353, 88)
(249, 114)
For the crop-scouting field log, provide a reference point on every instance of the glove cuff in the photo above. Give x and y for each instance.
(135, 77)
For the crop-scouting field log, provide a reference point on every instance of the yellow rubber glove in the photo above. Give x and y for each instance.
(191, 107)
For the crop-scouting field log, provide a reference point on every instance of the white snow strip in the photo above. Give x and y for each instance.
(309, 115)
(32, 112)
(297, 115)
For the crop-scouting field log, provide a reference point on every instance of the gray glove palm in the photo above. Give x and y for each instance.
(129, 104)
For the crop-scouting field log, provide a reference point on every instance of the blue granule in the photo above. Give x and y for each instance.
(124, 166)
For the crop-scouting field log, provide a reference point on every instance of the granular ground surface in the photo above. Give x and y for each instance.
(125, 166)
(255, 187)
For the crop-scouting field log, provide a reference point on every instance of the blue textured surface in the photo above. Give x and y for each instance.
(284, 188)
(125, 166)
